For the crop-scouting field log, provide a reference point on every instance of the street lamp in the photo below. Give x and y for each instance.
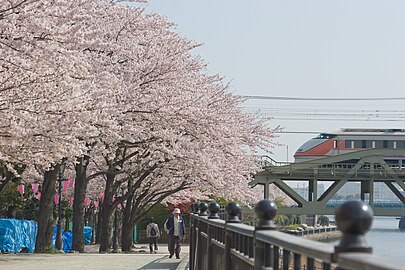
(58, 240)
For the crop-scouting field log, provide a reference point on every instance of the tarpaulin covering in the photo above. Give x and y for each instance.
(67, 238)
(16, 235)
(88, 233)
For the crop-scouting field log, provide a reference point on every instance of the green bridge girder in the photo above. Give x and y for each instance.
(364, 166)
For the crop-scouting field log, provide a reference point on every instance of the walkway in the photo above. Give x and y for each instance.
(141, 259)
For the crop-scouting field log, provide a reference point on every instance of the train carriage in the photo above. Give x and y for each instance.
(347, 140)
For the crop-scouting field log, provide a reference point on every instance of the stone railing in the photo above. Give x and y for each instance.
(231, 245)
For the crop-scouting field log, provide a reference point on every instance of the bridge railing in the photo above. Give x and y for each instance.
(231, 245)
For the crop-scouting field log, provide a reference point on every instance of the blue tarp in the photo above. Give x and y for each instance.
(67, 238)
(16, 235)
(88, 233)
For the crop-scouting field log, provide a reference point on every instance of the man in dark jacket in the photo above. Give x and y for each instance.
(176, 230)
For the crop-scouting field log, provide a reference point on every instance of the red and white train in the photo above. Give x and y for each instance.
(348, 140)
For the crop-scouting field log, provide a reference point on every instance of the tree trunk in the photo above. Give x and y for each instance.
(11, 212)
(127, 226)
(127, 236)
(99, 222)
(93, 225)
(116, 231)
(67, 223)
(45, 219)
(106, 225)
(78, 205)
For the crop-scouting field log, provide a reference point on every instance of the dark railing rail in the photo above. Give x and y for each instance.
(230, 245)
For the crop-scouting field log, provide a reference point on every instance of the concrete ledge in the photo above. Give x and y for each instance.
(184, 263)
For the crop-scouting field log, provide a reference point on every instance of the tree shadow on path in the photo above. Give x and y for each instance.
(162, 264)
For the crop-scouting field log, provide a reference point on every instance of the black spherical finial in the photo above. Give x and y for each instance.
(353, 219)
(194, 207)
(266, 210)
(203, 209)
(213, 209)
(233, 211)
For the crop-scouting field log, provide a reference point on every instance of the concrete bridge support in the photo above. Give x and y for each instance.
(401, 224)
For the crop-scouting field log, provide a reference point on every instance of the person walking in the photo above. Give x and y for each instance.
(176, 229)
(153, 234)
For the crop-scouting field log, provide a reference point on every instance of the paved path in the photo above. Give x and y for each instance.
(71, 261)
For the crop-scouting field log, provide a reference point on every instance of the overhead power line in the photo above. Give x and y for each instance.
(297, 132)
(320, 98)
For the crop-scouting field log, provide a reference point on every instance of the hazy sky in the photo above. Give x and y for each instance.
(303, 49)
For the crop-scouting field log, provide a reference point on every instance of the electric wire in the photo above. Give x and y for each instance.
(302, 109)
(320, 98)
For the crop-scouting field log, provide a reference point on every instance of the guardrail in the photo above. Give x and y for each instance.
(230, 245)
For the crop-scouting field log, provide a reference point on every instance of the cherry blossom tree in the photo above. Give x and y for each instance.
(118, 94)
(43, 84)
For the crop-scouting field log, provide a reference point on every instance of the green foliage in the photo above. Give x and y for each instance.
(10, 200)
(323, 221)
(284, 220)
(67, 210)
(13, 205)
(159, 214)
(51, 250)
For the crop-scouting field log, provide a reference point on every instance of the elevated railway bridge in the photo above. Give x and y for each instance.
(364, 166)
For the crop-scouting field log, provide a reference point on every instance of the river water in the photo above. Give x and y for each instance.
(386, 239)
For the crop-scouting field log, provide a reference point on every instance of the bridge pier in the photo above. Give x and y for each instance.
(401, 224)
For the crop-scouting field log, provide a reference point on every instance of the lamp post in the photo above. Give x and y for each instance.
(58, 240)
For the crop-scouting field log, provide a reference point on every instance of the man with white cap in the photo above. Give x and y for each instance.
(176, 230)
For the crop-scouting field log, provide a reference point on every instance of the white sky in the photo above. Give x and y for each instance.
(316, 49)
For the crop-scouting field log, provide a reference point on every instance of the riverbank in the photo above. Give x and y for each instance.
(324, 236)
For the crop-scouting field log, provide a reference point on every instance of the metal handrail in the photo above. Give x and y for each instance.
(313, 249)
(241, 229)
(262, 247)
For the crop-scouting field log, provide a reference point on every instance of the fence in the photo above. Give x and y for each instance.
(231, 245)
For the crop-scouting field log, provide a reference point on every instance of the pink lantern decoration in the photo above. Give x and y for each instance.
(39, 196)
(86, 200)
(96, 203)
(21, 189)
(102, 196)
(56, 198)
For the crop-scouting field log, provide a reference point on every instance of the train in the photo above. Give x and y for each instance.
(347, 140)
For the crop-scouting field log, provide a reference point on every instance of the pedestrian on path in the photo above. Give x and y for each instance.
(176, 229)
(153, 234)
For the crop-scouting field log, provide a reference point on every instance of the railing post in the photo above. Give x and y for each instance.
(193, 221)
(201, 224)
(233, 210)
(203, 209)
(353, 219)
(265, 210)
(213, 209)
